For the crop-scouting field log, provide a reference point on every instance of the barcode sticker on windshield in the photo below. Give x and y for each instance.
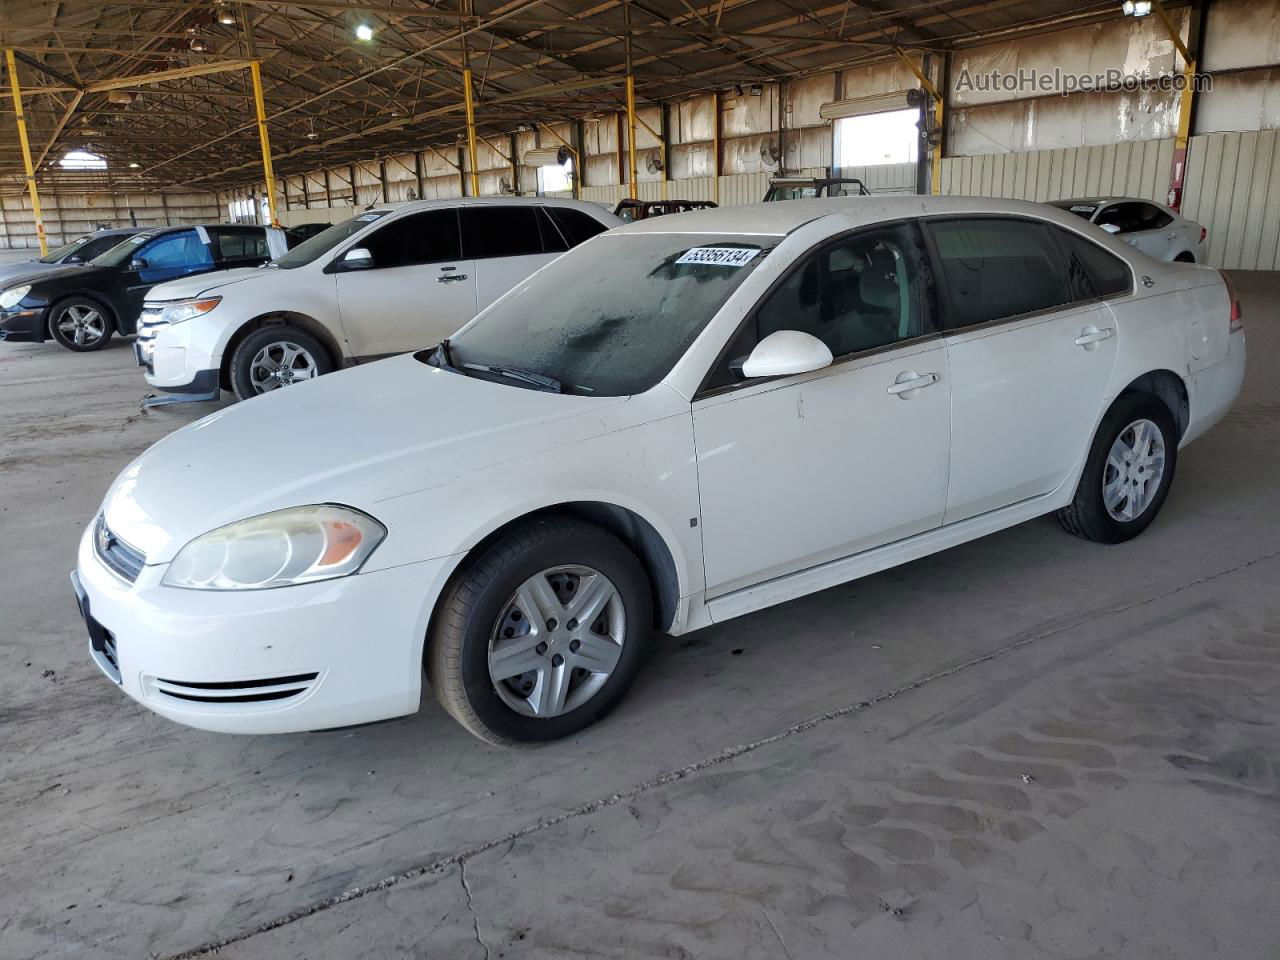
(719, 256)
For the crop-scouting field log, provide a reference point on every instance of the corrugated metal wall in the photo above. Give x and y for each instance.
(69, 215)
(1232, 185)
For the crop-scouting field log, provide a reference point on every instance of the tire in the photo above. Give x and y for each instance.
(1088, 515)
(81, 324)
(477, 613)
(251, 362)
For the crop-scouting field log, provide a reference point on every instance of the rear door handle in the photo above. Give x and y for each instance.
(448, 278)
(1091, 336)
(909, 381)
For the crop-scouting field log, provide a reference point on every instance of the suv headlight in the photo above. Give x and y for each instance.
(187, 309)
(279, 549)
(13, 296)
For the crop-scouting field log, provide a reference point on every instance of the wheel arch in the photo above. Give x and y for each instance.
(1184, 256)
(278, 318)
(637, 533)
(1170, 389)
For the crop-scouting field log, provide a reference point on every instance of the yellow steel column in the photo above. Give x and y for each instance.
(631, 103)
(471, 131)
(255, 71)
(631, 131)
(1186, 102)
(26, 152)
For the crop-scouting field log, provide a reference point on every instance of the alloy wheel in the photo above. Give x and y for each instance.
(557, 641)
(1134, 470)
(280, 364)
(82, 325)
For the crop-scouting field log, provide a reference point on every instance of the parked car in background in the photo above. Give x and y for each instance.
(1153, 228)
(633, 210)
(675, 424)
(386, 281)
(809, 188)
(82, 306)
(80, 250)
(303, 231)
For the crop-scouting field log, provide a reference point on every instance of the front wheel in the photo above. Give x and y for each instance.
(542, 634)
(1128, 473)
(275, 357)
(80, 324)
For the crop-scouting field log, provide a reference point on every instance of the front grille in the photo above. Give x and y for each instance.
(263, 690)
(120, 558)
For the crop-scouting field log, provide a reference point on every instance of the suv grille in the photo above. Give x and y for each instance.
(121, 559)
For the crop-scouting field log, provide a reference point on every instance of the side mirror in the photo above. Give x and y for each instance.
(786, 352)
(1109, 227)
(74, 258)
(139, 263)
(357, 258)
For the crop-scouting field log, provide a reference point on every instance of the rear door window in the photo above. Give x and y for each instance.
(553, 241)
(1094, 272)
(498, 231)
(993, 269)
(576, 226)
(241, 244)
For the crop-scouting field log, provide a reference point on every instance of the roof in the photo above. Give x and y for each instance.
(164, 84)
(782, 217)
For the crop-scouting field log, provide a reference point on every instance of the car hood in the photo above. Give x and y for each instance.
(53, 273)
(357, 437)
(22, 270)
(188, 287)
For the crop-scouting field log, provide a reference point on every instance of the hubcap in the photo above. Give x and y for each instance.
(557, 641)
(82, 325)
(280, 364)
(1134, 471)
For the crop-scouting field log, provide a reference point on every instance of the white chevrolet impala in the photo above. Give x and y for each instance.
(679, 422)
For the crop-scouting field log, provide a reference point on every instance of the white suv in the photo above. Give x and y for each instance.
(386, 281)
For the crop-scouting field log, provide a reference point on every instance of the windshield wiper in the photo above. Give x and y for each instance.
(549, 384)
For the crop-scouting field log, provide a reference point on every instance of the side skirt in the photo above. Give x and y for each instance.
(835, 572)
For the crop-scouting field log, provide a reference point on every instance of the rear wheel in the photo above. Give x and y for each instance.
(1128, 473)
(275, 357)
(80, 324)
(542, 634)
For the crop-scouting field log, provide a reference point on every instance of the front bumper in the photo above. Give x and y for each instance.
(23, 324)
(175, 358)
(291, 659)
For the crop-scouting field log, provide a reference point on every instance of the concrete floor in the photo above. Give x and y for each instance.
(1028, 747)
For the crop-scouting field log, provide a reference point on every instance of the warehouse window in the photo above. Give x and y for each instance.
(82, 160)
(877, 138)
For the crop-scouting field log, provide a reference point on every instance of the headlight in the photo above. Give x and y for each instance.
(187, 309)
(12, 296)
(297, 545)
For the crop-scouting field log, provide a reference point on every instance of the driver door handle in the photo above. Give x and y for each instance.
(1091, 336)
(910, 380)
(450, 277)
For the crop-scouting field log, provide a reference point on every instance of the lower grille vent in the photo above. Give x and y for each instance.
(264, 690)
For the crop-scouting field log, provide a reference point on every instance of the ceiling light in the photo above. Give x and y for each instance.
(134, 166)
(226, 17)
(1136, 8)
(364, 32)
(199, 45)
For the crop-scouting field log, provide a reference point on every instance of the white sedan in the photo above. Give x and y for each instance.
(1153, 228)
(679, 422)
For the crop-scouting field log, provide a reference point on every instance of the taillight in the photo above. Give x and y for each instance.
(1236, 323)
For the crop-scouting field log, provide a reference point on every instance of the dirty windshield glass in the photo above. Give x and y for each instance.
(611, 317)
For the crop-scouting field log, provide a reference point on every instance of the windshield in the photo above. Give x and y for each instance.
(1086, 210)
(122, 252)
(324, 241)
(611, 317)
(58, 255)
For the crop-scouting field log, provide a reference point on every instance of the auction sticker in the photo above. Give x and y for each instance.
(720, 256)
